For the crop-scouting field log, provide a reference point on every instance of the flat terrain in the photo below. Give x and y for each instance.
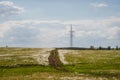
(32, 64)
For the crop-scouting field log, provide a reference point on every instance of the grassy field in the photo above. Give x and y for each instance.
(104, 63)
(15, 56)
(17, 64)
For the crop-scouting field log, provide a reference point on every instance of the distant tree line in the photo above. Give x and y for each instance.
(105, 48)
(92, 48)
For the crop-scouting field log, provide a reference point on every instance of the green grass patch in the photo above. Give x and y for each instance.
(24, 70)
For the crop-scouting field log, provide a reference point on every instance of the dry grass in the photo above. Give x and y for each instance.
(93, 56)
(56, 76)
(81, 64)
(14, 56)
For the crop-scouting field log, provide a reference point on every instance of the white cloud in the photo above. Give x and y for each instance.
(105, 28)
(81, 27)
(93, 24)
(4, 27)
(84, 33)
(55, 31)
(99, 5)
(109, 33)
(112, 33)
(9, 8)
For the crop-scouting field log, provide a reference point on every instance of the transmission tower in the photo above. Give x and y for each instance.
(71, 36)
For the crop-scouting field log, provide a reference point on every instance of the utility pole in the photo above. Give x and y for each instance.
(71, 36)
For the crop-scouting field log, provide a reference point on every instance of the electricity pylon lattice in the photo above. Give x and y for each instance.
(71, 36)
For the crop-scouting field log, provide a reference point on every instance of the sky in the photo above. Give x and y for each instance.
(46, 23)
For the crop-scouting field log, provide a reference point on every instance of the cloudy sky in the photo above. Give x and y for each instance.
(46, 23)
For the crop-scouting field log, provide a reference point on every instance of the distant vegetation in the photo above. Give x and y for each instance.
(92, 48)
